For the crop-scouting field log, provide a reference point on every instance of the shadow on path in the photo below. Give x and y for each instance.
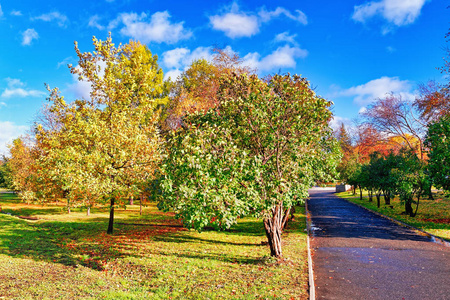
(360, 255)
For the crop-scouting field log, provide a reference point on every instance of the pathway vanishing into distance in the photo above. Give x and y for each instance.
(359, 255)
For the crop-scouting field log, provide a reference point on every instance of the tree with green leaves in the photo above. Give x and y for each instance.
(5, 173)
(107, 146)
(438, 141)
(256, 153)
(411, 180)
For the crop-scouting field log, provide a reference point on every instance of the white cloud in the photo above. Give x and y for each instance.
(366, 93)
(66, 61)
(336, 122)
(284, 37)
(172, 74)
(179, 59)
(16, 13)
(93, 22)
(157, 29)
(396, 12)
(173, 58)
(60, 19)
(282, 57)
(80, 88)
(235, 24)
(183, 57)
(268, 15)
(9, 132)
(28, 36)
(16, 88)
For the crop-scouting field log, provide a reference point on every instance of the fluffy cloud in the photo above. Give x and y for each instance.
(172, 74)
(336, 122)
(396, 12)
(16, 88)
(284, 37)
(59, 18)
(93, 22)
(28, 36)
(16, 13)
(366, 93)
(9, 132)
(279, 11)
(180, 58)
(235, 23)
(157, 28)
(282, 57)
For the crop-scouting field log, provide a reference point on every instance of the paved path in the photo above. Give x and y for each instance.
(359, 255)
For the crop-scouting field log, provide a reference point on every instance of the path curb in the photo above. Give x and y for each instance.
(312, 287)
(434, 238)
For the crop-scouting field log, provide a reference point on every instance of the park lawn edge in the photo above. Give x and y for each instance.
(441, 237)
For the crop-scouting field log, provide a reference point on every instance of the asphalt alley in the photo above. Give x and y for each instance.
(359, 255)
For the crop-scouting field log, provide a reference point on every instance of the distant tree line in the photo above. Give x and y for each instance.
(401, 147)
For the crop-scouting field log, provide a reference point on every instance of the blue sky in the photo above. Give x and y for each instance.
(351, 51)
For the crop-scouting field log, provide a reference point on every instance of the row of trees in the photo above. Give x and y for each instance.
(401, 174)
(402, 147)
(218, 144)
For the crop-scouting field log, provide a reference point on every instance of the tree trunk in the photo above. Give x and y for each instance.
(285, 218)
(354, 190)
(370, 196)
(88, 211)
(378, 195)
(111, 217)
(430, 193)
(360, 193)
(140, 205)
(408, 208)
(387, 198)
(131, 200)
(273, 228)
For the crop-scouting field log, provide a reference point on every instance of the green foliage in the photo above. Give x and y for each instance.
(107, 146)
(5, 174)
(257, 152)
(438, 141)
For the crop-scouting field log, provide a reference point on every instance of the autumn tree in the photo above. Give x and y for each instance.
(106, 146)
(22, 168)
(433, 101)
(195, 90)
(395, 116)
(256, 153)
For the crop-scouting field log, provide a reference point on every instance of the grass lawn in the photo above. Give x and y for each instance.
(433, 216)
(69, 256)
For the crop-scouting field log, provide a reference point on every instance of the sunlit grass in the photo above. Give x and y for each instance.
(149, 257)
(433, 216)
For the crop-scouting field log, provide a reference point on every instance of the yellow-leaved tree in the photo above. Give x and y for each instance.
(106, 147)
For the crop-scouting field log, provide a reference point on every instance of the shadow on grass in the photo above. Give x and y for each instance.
(221, 257)
(183, 238)
(43, 241)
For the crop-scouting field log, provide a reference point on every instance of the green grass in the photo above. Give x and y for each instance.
(433, 216)
(67, 256)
